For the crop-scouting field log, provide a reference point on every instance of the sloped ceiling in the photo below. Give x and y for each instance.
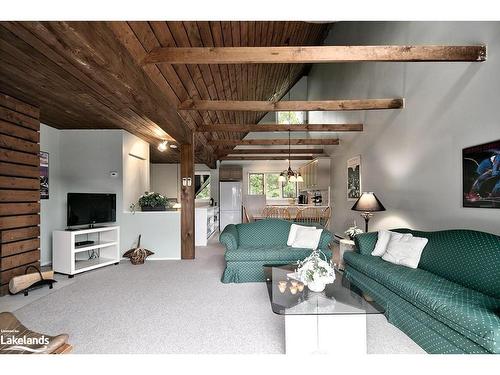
(87, 75)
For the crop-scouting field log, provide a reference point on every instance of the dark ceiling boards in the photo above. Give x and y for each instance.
(88, 75)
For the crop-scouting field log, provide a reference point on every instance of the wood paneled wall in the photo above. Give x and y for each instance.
(19, 188)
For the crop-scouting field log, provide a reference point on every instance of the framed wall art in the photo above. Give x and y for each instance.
(44, 175)
(354, 178)
(481, 175)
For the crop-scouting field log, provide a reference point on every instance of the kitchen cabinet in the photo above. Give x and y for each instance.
(316, 175)
(231, 173)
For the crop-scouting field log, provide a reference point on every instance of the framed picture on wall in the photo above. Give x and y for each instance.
(44, 175)
(481, 175)
(354, 178)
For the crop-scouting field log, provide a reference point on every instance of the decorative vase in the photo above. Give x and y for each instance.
(155, 208)
(316, 286)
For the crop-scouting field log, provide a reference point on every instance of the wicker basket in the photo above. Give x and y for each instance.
(138, 254)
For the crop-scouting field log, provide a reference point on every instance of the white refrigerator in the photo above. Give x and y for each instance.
(230, 204)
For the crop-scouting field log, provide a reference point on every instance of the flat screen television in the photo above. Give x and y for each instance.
(91, 208)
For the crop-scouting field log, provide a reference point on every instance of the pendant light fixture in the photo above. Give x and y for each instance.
(290, 174)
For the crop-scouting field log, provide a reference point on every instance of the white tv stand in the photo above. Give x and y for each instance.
(69, 259)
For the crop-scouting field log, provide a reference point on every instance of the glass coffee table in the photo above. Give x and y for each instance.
(330, 322)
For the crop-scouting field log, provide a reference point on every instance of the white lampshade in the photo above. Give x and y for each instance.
(299, 178)
(281, 178)
(293, 178)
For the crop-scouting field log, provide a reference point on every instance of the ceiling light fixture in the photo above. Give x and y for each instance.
(173, 145)
(162, 146)
(290, 174)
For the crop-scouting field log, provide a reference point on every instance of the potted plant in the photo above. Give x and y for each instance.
(353, 231)
(315, 272)
(151, 201)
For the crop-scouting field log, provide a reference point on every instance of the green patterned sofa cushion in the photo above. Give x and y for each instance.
(466, 257)
(280, 253)
(229, 237)
(249, 246)
(365, 242)
(469, 312)
(270, 232)
(267, 232)
(432, 335)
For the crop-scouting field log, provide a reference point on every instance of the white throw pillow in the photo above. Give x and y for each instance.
(383, 240)
(405, 250)
(384, 237)
(307, 238)
(293, 232)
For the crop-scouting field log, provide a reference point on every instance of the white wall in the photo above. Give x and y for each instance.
(80, 161)
(87, 158)
(136, 173)
(161, 233)
(165, 179)
(411, 158)
(52, 212)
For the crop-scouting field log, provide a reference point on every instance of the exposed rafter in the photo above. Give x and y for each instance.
(269, 142)
(309, 105)
(246, 128)
(281, 157)
(310, 55)
(262, 151)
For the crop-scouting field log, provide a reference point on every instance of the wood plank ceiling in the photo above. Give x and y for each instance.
(87, 75)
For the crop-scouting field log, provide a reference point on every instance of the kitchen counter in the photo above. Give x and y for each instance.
(206, 223)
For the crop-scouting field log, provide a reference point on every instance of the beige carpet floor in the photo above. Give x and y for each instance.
(171, 307)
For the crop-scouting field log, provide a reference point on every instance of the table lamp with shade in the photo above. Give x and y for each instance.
(368, 203)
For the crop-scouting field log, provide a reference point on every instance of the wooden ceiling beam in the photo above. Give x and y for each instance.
(249, 151)
(282, 157)
(309, 105)
(314, 54)
(246, 128)
(273, 142)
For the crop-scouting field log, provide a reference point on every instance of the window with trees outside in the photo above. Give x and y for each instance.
(298, 117)
(268, 184)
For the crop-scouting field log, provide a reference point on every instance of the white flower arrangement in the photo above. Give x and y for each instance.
(315, 272)
(353, 231)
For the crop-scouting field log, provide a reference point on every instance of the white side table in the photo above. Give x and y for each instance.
(345, 245)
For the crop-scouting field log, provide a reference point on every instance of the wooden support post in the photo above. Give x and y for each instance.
(187, 201)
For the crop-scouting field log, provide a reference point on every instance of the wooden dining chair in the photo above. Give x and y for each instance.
(268, 212)
(309, 216)
(283, 213)
(278, 213)
(247, 218)
(325, 216)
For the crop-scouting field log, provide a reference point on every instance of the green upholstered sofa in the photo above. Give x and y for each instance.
(451, 302)
(249, 246)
